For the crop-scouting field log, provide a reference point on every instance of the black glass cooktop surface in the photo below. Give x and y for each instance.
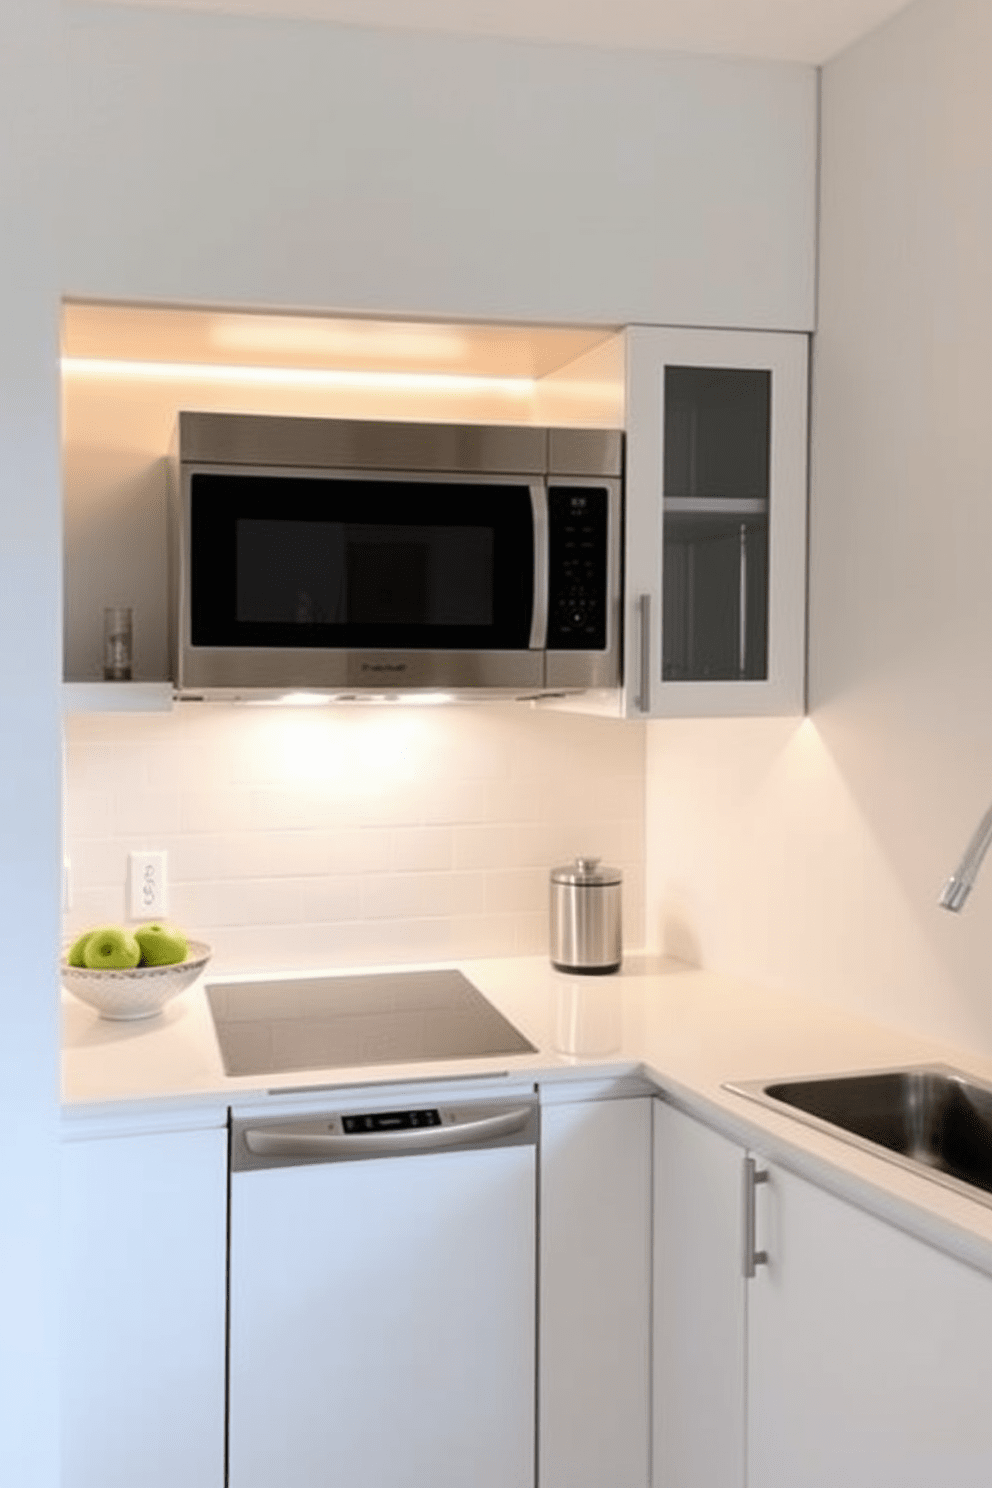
(402, 1017)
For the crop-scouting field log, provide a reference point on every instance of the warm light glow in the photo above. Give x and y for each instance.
(425, 699)
(292, 700)
(317, 377)
(322, 699)
(386, 341)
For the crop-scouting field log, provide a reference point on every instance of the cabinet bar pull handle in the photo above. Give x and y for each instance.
(644, 613)
(753, 1258)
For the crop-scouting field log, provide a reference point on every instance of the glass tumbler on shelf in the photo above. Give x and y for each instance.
(117, 640)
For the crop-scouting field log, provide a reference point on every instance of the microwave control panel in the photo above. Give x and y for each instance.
(577, 568)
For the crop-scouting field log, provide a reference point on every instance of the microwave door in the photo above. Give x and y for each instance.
(324, 580)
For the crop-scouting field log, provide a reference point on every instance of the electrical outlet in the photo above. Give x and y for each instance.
(147, 885)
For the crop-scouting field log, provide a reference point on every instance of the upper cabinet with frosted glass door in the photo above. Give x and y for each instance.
(715, 582)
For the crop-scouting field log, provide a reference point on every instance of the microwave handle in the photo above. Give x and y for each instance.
(539, 614)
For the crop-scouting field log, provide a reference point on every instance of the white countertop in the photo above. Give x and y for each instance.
(686, 1031)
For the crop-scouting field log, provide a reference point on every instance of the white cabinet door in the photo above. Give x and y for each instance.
(143, 1283)
(868, 1352)
(715, 561)
(699, 1306)
(857, 1355)
(595, 1294)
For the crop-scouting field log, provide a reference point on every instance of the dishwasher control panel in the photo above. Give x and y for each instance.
(386, 1121)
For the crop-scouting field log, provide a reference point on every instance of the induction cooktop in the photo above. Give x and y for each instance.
(402, 1017)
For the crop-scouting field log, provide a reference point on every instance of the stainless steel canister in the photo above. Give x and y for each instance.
(585, 917)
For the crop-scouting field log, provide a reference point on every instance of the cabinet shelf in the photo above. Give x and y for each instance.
(117, 697)
(715, 506)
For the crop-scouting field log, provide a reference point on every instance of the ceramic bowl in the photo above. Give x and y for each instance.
(138, 993)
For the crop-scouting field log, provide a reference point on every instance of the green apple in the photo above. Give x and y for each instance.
(74, 955)
(111, 948)
(161, 945)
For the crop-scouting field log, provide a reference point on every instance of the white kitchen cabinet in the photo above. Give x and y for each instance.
(595, 1293)
(143, 1297)
(868, 1352)
(716, 500)
(855, 1355)
(699, 1306)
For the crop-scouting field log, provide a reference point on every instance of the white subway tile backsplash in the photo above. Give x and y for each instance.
(94, 905)
(492, 846)
(531, 934)
(450, 800)
(97, 862)
(330, 899)
(516, 891)
(358, 835)
(421, 849)
(141, 813)
(391, 896)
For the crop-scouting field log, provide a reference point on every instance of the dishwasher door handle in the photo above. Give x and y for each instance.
(302, 1142)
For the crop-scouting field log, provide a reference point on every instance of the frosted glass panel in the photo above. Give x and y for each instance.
(716, 491)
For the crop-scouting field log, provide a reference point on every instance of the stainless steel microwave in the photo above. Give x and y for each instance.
(355, 557)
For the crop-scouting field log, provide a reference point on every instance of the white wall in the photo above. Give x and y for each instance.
(222, 159)
(812, 854)
(29, 742)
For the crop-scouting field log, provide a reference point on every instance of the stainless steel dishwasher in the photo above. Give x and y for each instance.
(382, 1297)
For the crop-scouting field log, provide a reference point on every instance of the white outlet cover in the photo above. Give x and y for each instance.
(147, 881)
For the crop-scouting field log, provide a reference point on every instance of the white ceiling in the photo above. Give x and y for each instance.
(788, 30)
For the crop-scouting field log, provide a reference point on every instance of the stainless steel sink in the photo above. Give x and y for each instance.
(933, 1119)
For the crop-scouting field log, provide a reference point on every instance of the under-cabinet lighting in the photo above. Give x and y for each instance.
(412, 699)
(292, 700)
(317, 377)
(424, 699)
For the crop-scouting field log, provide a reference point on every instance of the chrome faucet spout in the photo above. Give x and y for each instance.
(960, 884)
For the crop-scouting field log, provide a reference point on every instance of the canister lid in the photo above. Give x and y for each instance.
(587, 871)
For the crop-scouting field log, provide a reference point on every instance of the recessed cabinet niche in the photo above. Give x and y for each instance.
(716, 523)
(715, 423)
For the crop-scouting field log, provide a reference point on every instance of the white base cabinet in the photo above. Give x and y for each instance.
(699, 1306)
(143, 1298)
(595, 1280)
(868, 1352)
(857, 1355)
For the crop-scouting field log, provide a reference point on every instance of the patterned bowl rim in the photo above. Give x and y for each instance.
(197, 957)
